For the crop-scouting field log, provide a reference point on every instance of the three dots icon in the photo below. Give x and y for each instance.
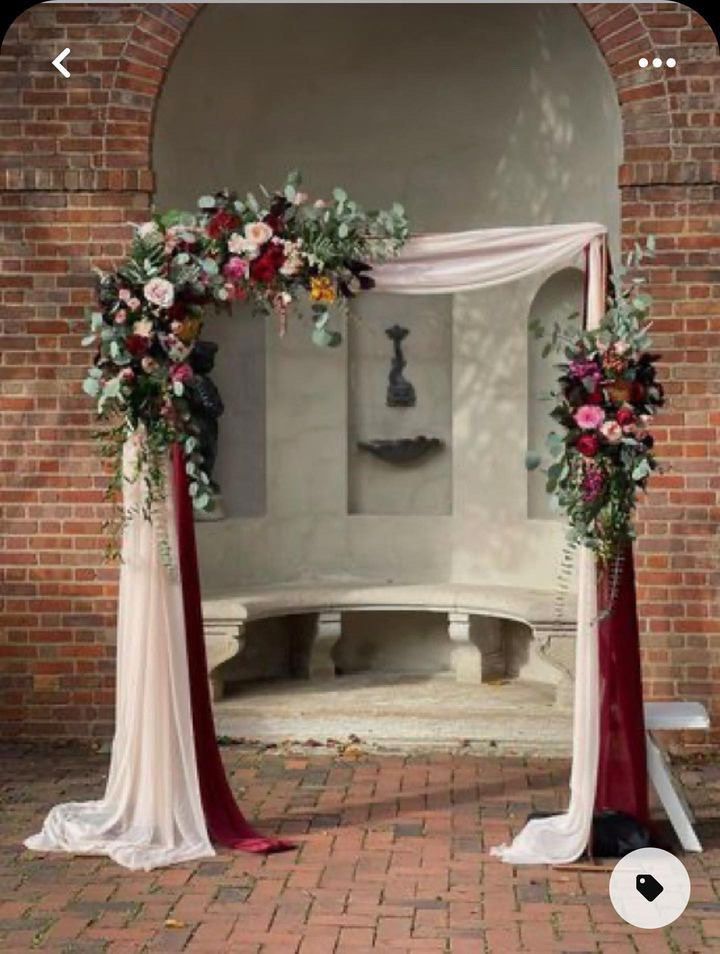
(644, 62)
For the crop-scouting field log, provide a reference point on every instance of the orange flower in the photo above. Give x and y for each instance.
(321, 289)
(189, 330)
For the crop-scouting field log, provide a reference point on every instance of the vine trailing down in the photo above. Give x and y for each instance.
(280, 253)
(606, 398)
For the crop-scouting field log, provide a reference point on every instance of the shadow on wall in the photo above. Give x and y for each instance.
(472, 116)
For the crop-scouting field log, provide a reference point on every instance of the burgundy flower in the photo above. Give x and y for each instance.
(276, 222)
(638, 392)
(592, 484)
(176, 311)
(588, 444)
(266, 266)
(624, 417)
(594, 397)
(137, 345)
(222, 221)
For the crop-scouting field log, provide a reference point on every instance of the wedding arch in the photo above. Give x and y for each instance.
(167, 798)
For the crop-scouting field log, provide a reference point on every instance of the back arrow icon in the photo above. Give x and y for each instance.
(57, 62)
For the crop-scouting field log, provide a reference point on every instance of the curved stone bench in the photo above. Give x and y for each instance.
(552, 644)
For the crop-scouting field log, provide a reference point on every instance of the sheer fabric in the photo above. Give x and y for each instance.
(453, 262)
(447, 263)
(151, 814)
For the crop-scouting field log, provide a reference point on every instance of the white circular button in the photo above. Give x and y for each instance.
(657, 62)
(649, 888)
(671, 62)
(643, 62)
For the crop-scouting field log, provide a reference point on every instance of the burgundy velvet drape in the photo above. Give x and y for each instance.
(225, 822)
(622, 772)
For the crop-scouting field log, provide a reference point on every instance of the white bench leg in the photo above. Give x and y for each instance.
(223, 640)
(671, 795)
(465, 656)
(328, 630)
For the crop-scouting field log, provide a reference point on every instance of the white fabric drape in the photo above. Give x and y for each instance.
(151, 814)
(453, 262)
(465, 261)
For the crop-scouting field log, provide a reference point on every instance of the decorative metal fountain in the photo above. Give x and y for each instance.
(400, 393)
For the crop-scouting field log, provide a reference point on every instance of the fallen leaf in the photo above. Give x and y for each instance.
(172, 923)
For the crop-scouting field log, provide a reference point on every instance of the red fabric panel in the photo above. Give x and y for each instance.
(225, 822)
(622, 771)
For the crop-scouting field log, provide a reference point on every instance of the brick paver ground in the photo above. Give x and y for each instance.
(392, 857)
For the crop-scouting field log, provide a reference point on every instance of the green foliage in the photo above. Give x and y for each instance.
(607, 393)
(276, 252)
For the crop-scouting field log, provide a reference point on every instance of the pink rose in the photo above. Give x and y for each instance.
(589, 417)
(235, 269)
(258, 232)
(120, 316)
(160, 292)
(127, 375)
(611, 431)
(182, 373)
(124, 294)
(134, 304)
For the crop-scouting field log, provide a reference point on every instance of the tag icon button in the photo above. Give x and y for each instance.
(648, 886)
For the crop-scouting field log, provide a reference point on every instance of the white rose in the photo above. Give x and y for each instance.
(258, 232)
(239, 245)
(611, 431)
(149, 230)
(160, 292)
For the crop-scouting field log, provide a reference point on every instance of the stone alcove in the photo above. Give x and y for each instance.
(420, 121)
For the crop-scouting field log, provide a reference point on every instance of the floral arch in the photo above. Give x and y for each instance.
(167, 797)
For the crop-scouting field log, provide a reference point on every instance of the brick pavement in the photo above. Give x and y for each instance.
(392, 857)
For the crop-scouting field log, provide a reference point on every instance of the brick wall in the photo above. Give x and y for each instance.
(75, 169)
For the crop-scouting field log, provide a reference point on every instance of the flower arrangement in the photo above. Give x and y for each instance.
(606, 398)
(282, 253)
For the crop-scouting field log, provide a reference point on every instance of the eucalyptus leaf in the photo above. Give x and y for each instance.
(532, 460)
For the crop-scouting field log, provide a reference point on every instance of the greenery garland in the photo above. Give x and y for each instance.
(602, 456)
(279, 253)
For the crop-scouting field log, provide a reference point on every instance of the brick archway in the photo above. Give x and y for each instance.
(76, 168)
(622, 32)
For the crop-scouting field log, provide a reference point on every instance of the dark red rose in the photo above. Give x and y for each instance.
(588, 444)
(638, 392)
(594, 397)
(176, 311)
(624, 417)
(222, 222)
(266, 266)
(276, 222)
(137, 345)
